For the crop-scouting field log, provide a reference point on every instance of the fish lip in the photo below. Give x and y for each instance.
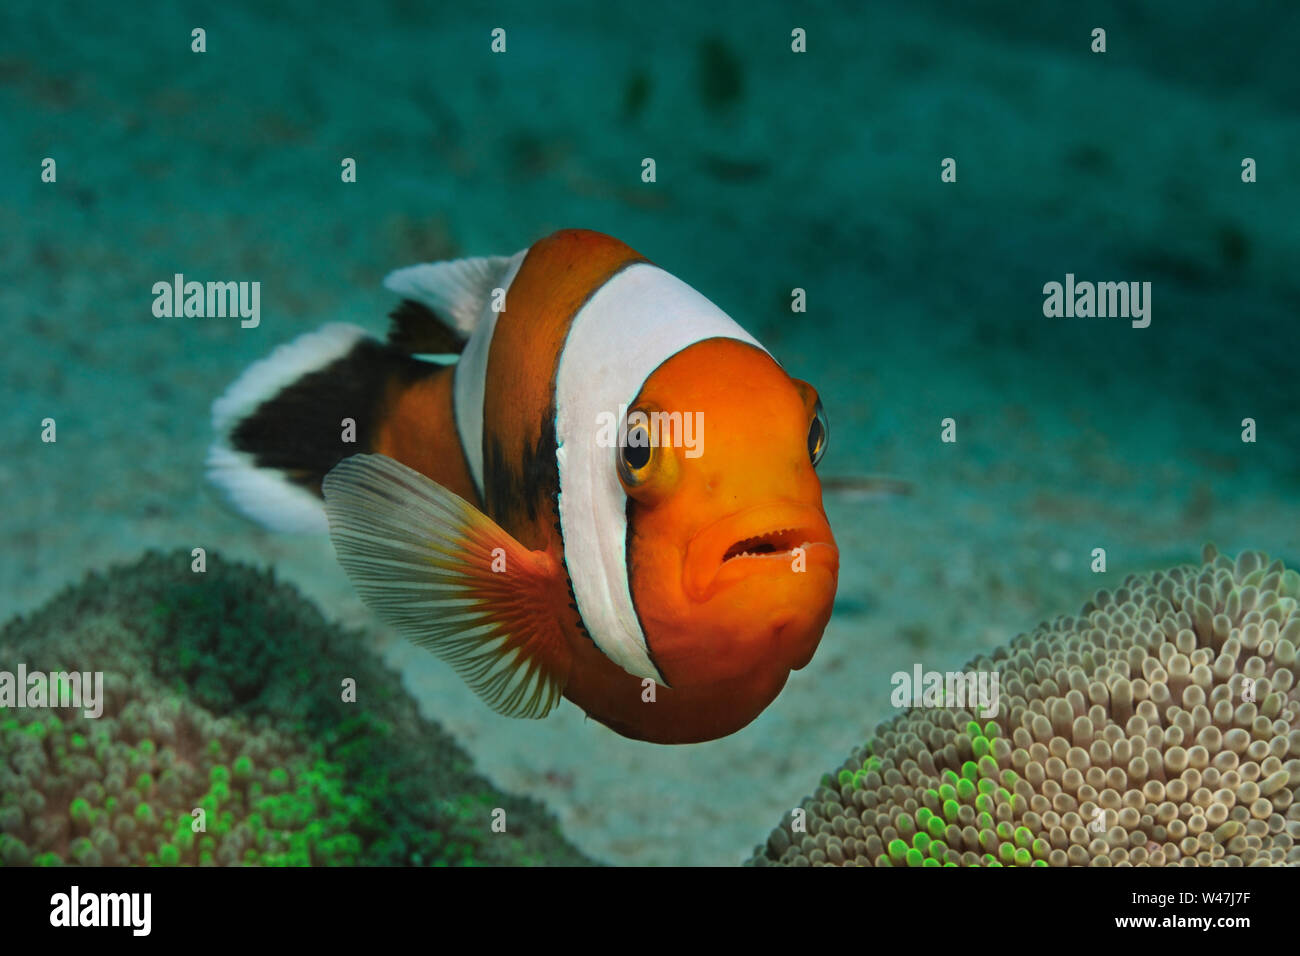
(785, 524)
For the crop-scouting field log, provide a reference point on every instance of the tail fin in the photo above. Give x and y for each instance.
(280, 425)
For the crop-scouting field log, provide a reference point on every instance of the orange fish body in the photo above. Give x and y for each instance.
(609, 497)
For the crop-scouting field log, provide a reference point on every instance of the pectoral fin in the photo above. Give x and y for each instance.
(450, 579)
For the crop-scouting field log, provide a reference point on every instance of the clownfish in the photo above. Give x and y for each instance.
(609, 496)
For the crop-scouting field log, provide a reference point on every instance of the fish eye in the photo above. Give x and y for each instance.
(634, 456)
(819, 434)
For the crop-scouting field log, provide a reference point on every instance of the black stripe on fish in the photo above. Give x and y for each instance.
(416, 329)
(299, 430)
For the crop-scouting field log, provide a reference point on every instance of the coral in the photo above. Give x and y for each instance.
(223, 693)
(1127, 735)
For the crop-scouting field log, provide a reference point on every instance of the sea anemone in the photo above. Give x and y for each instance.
(222, 694)
(1160, 726)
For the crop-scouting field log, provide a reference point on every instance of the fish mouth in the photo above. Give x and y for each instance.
(757, 541)
(773, 542)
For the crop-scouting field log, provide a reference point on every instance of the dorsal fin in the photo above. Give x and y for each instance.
(417, 330)
(456, 292)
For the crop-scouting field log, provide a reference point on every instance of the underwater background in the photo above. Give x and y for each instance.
(775, 170)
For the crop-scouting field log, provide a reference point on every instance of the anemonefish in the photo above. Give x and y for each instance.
(664, 577)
